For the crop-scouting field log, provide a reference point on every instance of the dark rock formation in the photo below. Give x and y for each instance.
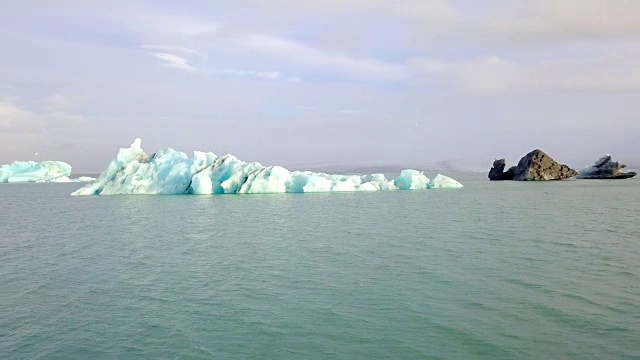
(537, 165)
(605, 168)
(509, 174)
(534, 166)
(497, 171)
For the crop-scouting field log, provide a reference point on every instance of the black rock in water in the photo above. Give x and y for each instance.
(605, 168)
(535, 166)
(497, 171)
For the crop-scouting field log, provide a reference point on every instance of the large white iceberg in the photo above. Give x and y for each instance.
(172, 172)
(31, 171)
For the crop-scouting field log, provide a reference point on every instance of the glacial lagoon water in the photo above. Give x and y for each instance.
(496, 270)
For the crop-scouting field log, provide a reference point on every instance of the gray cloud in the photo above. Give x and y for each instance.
(553, 21)
(290, 51)
(28, 128)
(494, 75)
(320, 81)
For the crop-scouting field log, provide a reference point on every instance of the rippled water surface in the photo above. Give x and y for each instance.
(492, 271)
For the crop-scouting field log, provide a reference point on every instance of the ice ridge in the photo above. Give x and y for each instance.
(168, 171)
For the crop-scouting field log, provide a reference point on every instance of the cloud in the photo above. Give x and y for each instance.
(60, 101)
(421, 27)
(265, 75)
(252, 74)
(569, 20)
(434, 23)
(174, 61)
(174, 49)
(16, 119)
(282, 49)
(319, 59)
(491, 75)
(153, 24)
(414, 59)
(26, 126)
(168, 54)
(420, 9)
(183, 63)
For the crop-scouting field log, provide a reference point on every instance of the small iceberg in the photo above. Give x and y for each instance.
(605, 168)
(38, 172)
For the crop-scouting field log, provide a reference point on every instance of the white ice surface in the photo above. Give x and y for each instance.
(172, 172)
(31, 171)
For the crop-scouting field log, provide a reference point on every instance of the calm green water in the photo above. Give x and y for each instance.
(492, 271)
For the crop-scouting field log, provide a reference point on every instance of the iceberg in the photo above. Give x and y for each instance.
(66, 179)
(168, 171)
(443, 182)
(38, 172)
(605, 168)
(31, 171)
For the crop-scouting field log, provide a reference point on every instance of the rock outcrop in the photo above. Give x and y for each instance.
(497, 171)
(535, 166)
(605, 168)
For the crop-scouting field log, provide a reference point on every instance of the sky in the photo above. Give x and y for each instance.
(312, 82)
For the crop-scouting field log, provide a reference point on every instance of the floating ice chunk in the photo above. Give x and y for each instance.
(605, 168)
(134, 172)
(368, 187)
(379, 182)
(84, 179)
(443, 182)
(411, 180)
(271, 179)
(65, 179)
(172, 172)
(31, 171)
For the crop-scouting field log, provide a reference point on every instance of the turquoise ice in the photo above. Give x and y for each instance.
(31, 171)
(38, 172)
(172, 172)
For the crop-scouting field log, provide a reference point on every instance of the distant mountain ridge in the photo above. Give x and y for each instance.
(444, 166)
(387, 168)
